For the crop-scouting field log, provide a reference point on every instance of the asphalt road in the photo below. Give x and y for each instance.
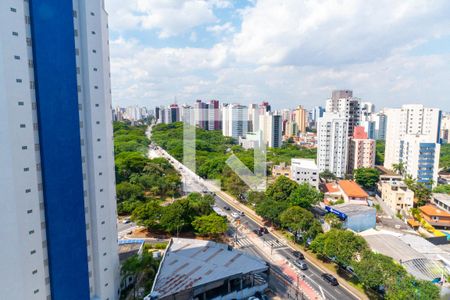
(313, 275)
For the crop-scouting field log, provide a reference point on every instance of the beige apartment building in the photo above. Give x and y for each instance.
(361, 151)
(397, 196)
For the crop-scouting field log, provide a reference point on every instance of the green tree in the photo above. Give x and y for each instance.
(271, 210)
(375, 270)
(128, 191)
(281, 189)
(327, 175)
(442, 188)
(211, 224)
(408, 287)
(176, 216)
(379, 152)
(305, 196)
(200, 204)
(333, 221)
(366, 177)
(255, 197)
(148, 214)
(342, 245)
(399, 168)
(128, 163)
(296, 218)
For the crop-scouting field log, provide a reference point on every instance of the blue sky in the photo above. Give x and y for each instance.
(287, 52)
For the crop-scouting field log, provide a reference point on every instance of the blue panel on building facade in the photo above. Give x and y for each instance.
(59, 137)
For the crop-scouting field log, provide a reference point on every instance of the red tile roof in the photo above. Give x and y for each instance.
(432, 210)
(352, 189)
(331, 188)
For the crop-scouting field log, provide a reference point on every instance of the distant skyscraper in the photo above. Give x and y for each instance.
(214, 115)
(187, 114)
(264, 107)
(253, 117)
(412, 138)
(57, 164)
(445, 128)
(342, 101)
(300, 118)
(235, 120)
(174, 113)
(332, 146)
(201, 114)
(317, 113)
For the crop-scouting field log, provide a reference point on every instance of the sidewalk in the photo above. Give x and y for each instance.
(318, 263)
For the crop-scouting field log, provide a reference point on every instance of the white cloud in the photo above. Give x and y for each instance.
(225, 28)
(288, 52)
(335, 32)
(170, 18)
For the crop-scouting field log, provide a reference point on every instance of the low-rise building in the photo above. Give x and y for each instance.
(436, 217)
(281, 170)
(397, 196)
(331, 192)
(305, 171)
(442, 201)
(387, 175)
(199, 269)
(352, 192)
(355, 217)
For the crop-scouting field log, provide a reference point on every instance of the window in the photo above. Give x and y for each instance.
(96, 87)
(99, 156)
(101, 190)
(94, 51)
(98, 140)
(105, 269)
(14, 33)
(95, 69)
(92, 14)
(102, 206)
(76, 32)
(18, 80)
(33, 252)
(26, 169)
(75, 14)
(22, 126)
(34, 272)
(28, 191)
(24, 147)
(97, 105)
(98, 122)
(36, 291)
(13, 9)
(16, 57)
(30, 232)
(100, 174)
(20, 103)
(29, 211)
(104, 254)
(103, 238)
(103, 222)
(93, 32)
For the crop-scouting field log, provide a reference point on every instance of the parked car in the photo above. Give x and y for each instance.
(242, 213)
(330, 279)
(126, 221)
(226, 207)
(300, 264)
(298, 254)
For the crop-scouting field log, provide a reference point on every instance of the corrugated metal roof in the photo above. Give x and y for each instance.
(189, 263)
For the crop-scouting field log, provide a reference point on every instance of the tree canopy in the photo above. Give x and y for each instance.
(366, 177)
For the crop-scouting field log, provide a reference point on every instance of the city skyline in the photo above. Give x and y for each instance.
(222, 50)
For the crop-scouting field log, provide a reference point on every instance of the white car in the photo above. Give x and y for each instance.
(235, 215)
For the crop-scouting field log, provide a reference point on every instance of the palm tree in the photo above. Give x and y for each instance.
(399, 168)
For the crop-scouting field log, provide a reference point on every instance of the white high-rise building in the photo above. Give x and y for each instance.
(235, 120)
(58, 217)
(332, 146)
(253, 117)
(412, 137)
(343, 102)
(271, 127)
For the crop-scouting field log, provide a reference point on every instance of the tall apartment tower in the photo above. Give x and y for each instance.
(58, 216)
(413, 138)
(332, 146)
(300, 118)
(214, 115)
(343, 102)
(361, 150)
(235, 120)
(271, 127)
